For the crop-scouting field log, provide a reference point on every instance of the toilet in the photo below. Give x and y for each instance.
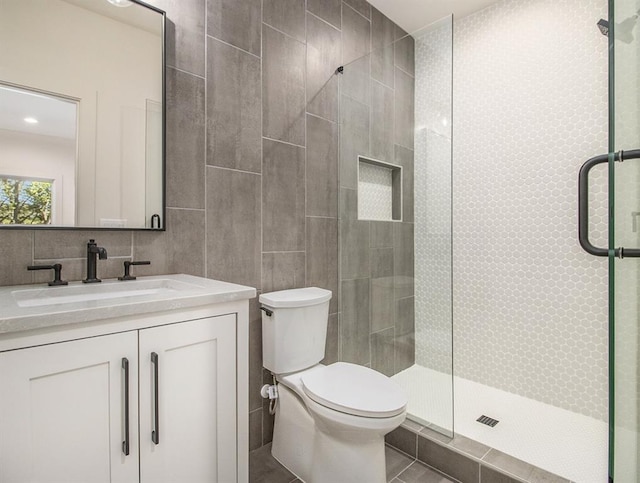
(330, 421)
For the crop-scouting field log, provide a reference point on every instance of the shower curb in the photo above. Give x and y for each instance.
(463, 459)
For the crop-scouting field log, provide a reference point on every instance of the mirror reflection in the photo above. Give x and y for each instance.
(81, 114)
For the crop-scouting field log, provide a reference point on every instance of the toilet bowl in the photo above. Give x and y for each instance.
(330, 421)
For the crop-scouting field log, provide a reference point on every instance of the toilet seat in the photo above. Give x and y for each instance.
(355, 390)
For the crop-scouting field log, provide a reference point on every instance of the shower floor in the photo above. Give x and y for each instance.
(565, 443)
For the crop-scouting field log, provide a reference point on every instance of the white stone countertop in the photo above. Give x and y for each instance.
(28, 307)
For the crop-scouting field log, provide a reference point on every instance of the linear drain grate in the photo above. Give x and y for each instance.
(487, 420)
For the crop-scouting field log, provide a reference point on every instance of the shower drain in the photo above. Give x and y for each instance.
(487, 420)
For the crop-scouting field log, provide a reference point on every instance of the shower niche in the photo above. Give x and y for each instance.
(379, 190)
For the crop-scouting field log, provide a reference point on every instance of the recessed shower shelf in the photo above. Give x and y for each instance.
(379, 190)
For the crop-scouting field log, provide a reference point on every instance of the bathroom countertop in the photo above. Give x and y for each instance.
(29, 307)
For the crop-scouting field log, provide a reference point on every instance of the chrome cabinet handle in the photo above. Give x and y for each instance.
(155, 434)
(125, 443)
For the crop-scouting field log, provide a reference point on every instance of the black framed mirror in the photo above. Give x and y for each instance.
(82, 114)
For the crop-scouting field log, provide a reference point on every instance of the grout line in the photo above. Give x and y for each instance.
(352, 8)
(234, 46)
(185, 209)
(284, 33)
(283, 252)
(320, 117)
(323, 20)
(187, 72)
(232, 169)
(283, 142)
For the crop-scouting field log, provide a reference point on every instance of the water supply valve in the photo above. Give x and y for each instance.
(269, 392)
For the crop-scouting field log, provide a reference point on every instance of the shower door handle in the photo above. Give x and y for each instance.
(583, 205)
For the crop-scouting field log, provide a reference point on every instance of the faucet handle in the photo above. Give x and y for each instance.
(127, 268)
(57, 273)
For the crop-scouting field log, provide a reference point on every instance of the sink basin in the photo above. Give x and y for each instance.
(100, 291)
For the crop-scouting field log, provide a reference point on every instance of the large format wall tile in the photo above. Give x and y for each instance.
(382, 48)
(356, 35)
(233, 226)
(236, 22)
(355, 80)
(283, 87)
(179, 250)
(382, 107)
(233, 108)
(354, 140)
(16, 252)
(324, 55)
(322, 167)
(361, 6)
(382, 350)
(185, 32)
(327, 10)
(405, 54)
(354, 238)
(405, 346)
(185, 140)
(322, 256)
(73, 244)
(354, 321)
(281, 271)
(288, 16)
(382, 289)
(283, 197)
(404, 94)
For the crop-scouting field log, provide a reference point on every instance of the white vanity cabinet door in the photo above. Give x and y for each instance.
(62, 412)
(196, 396)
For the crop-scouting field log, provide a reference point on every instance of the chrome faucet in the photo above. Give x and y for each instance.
(93, 253)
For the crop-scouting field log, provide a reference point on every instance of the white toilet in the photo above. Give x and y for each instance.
(330, 421)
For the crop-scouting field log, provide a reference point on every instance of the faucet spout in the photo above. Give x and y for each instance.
(93, 253)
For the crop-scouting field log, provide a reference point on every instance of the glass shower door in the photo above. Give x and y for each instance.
(624, 266)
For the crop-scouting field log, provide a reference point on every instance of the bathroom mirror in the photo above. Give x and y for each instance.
(81, 114)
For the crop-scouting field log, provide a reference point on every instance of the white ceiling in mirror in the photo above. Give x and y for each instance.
(413, 15)
(141, 18)
(54, 116)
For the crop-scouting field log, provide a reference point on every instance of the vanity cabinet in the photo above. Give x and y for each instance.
(166, 395)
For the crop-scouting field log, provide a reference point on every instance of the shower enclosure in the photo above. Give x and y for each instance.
(545, 313)
(624, 268)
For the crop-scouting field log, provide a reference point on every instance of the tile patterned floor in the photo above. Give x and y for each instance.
(263, 468)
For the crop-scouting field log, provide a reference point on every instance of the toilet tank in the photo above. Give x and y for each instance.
(294, 328)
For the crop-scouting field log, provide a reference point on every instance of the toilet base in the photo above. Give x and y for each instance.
(293, 432)
(320, 450)
(347, 461)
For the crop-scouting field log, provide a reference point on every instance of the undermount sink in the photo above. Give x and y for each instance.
(94, 292)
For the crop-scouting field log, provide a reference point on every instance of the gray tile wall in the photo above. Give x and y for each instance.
(376, 120)
(252, 165)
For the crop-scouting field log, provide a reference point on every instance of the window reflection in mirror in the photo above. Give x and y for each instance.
(37, 145)
(81, 108)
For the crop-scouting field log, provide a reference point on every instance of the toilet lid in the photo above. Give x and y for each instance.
(356, 390)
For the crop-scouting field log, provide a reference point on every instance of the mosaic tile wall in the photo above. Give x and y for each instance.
(530, 106)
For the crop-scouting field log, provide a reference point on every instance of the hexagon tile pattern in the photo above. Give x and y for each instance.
(530, 106)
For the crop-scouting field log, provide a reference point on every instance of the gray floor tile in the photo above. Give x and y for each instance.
(263, 468)
(396, 461)
(420, 473)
